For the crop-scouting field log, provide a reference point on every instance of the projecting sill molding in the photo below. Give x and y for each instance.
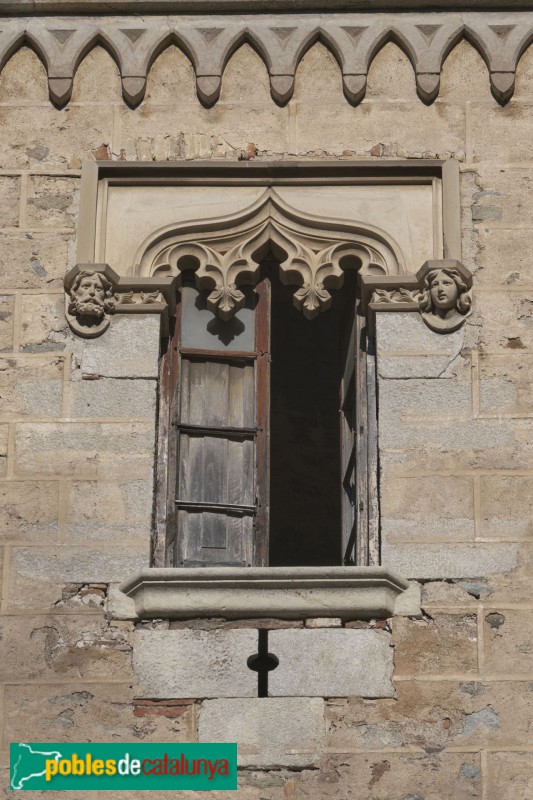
(280, 592)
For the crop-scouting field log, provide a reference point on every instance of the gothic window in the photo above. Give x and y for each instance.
(267, 431)
(272, 439)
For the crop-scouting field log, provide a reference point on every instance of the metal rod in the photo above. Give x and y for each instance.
(200, 506)
(244, 433)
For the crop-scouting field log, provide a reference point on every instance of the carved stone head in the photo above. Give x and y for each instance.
(91, 296)
(444, 301)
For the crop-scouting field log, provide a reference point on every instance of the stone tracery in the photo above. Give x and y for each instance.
(313, 253)
(225, 254)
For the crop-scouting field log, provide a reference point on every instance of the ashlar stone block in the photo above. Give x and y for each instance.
(506, 506)
(35, 260)
(9, 201)
(408, 128)
(129, 349)
(508, 638)
(61, 136)
(37, 575)
(90, 450)
(7, 309)
(107, 397)
(510, 776)
(505, 383)
(427, 508)
(3, 449)
(42, 323)
(194, 663)
(446, 644)
(21, 520)
(270, 732)
(52, 202)
(109, 510)
(424, 561)
(331, 662)
(31, 387)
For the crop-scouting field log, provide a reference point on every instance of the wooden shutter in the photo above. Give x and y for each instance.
(358, 418)
(216, 498)
(222, 461)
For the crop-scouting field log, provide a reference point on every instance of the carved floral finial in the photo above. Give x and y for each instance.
(91, 301)
(225, 300)
(445, 300)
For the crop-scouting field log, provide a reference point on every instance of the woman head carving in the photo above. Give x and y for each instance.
(445, 292)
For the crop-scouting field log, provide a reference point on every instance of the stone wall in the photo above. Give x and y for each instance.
(77, 434)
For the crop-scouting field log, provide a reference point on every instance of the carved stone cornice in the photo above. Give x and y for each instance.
(281, 41)
(225, 253)
(286, 592)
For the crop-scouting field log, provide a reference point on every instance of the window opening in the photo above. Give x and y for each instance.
(305, 446)
(269, 437)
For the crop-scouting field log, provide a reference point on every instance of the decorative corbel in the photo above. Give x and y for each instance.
(445, 300)
(95, 293)
(440, 292)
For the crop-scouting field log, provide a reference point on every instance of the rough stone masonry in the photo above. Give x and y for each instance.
(429, 706)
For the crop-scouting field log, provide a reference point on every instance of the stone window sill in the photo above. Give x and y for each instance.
(281, 592)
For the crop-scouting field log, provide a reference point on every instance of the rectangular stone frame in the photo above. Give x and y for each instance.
(266, 173)
(204, 173)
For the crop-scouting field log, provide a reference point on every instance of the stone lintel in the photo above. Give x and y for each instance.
(29, 7)
(282, 592)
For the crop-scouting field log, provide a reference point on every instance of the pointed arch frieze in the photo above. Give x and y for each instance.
(209, 42)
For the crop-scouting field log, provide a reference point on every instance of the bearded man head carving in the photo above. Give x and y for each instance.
(90, 296)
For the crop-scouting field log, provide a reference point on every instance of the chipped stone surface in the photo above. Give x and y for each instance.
(53, 202)
(37, 574)
(63, 647)
(282, 731)
(34, 260)
(446, 643)
(411, 776)
(434, 715)
(508, 641)
(59, 712)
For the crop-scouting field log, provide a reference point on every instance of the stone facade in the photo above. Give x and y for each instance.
(431, 705)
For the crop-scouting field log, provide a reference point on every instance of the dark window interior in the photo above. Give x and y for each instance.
(305, 480)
